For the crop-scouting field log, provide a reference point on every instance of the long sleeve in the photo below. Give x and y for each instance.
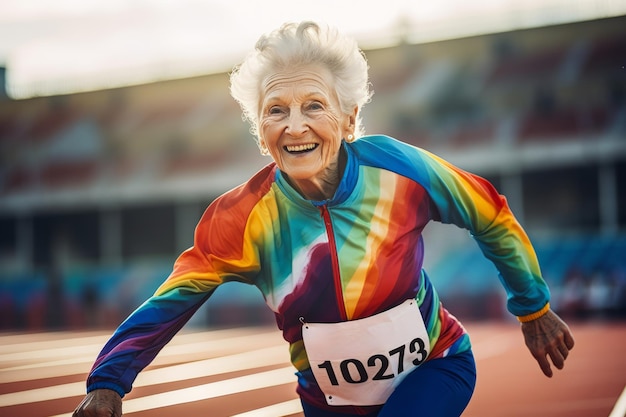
(472, 203)
(223, 251)
(141, 337)
(150, 327)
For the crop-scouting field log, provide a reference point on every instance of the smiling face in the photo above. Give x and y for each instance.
(301, 125)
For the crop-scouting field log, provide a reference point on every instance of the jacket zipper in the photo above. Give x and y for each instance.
(335, 261)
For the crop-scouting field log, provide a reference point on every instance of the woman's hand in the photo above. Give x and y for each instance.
(548, 336)
(100, 403)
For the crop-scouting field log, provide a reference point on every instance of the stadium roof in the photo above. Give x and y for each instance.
(67, 46)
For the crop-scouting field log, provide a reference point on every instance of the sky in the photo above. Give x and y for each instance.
(61, 46)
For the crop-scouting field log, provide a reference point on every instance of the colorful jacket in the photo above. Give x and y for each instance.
(349, 257)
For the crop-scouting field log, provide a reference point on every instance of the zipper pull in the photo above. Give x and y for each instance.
(322, 210)
(325, 215)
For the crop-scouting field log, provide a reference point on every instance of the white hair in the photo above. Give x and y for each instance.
(296, 45)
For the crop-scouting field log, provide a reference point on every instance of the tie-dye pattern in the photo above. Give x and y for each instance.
(265, 234)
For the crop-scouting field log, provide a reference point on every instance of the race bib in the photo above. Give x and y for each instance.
(360, 362)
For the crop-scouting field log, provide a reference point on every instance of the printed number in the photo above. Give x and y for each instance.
(345, 372)
(384, 364)
(421, 351)
(400, 351)
(330, 371)
(379, 361)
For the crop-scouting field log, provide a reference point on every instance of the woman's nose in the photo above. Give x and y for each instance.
(296, 124)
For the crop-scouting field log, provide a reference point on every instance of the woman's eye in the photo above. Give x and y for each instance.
(315, 106)
(275, 110)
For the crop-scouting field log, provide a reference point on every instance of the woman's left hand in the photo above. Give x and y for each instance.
(548, 336)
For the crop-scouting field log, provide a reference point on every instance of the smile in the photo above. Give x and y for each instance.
(301, 148)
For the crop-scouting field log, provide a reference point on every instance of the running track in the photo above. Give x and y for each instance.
(244, 372)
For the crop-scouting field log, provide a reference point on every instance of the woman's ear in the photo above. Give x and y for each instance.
(263, 147)
(350, 125)
(355, 112)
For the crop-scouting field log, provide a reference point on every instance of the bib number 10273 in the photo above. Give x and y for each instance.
(354, 371)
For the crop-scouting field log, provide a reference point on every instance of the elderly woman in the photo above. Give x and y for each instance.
(331, 233)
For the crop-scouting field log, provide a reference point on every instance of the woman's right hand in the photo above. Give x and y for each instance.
(100, 403)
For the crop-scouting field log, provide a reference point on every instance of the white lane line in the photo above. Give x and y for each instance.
(242, 361)
(620, 406)
(266, 379)
(42, 394)
(69, 347)
(46, 354)
(81, 362)
(492, 346)
(62, 367)
(33, 341)
(212, 390)
(8, 348)
(286, 408)
(29, 341)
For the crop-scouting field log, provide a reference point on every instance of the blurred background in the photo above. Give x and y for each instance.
(117, 130)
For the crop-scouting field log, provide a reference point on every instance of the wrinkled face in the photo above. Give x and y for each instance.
(301, 123)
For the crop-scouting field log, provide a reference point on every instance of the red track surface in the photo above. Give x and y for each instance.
(510, 383)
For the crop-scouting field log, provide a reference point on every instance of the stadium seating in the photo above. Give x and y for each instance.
(565, 124)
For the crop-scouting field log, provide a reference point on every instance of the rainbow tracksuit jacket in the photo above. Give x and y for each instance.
(349, 257)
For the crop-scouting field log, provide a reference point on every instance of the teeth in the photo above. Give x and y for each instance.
(300, 148)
